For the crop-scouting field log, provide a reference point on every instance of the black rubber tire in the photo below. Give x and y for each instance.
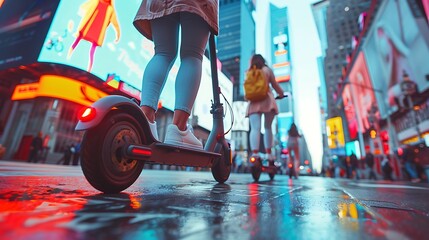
(256, 170)
(101, 160)
(221, 170)
(273, 168)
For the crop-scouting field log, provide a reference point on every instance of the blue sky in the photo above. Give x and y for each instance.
(304, 49)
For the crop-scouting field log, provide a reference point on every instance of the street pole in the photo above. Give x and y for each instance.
(408, 88)
(414, 116)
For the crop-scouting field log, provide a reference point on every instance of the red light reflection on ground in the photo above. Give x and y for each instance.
(35, 209)
(253, 207)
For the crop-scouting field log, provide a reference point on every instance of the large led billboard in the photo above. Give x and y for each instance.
(335, 132)
(281, 61)
(426, 8)
(109, 45)
(353, 147)
(113, 47)
(395, 45)
(23, 27)
(350, 112)
(280, 43)
(284, 121)
(363, 93)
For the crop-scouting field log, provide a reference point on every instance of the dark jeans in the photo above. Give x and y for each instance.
(34, 156)
(372, 174)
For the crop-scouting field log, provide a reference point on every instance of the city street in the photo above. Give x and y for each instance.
(43, 201)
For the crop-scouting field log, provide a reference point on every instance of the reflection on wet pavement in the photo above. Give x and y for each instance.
(68, 208)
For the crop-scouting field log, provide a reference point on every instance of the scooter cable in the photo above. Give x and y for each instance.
(226, 110)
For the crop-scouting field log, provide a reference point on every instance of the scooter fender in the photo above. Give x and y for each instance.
(106, 104)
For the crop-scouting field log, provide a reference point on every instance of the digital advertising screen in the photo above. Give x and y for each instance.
(426, 8)
(23, 27)
(108, 42)
(394, 46)
(335, 132)
(281, 61)
(350, 112)
(109, 47)
(353, 147)
(284, 121)
(362, 92)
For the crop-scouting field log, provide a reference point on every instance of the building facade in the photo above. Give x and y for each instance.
(385, 87)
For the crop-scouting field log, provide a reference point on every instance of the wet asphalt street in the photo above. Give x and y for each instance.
(42, 201)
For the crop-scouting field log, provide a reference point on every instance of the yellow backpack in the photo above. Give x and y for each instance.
(255, 85)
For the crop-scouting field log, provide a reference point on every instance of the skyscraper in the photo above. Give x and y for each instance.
(280, 59)
(236, 41)
(342, 24)
(320, 10)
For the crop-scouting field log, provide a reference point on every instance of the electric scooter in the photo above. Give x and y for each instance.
(118, 141)
(259, 165)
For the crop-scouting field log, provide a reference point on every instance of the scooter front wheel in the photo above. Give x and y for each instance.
(102, 161)
(221, 169)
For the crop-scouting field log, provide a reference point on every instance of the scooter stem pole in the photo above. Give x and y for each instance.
(213, 62)
(217, 134)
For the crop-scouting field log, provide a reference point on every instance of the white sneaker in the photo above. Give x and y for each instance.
(186, 138)
(154, 130)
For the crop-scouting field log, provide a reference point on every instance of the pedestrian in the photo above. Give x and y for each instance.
(369, 161)
(76, 154)
(35, 148)
(421, 173)
(160, 21)
(266, 107)
(354, 163)
(408, 158)
(347, 169)
(293, 148)
(68, 152)
(238, 163)
(331, 168)
(386, 168)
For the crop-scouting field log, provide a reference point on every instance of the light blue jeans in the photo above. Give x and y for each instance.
(411, 169)
(194, 36)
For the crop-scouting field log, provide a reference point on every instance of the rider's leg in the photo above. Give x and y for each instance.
(297, 163)
(165, 37)
(195, 34)
(255, 132)
(268, 136)
(194, 37)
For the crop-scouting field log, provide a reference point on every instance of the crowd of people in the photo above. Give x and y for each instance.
(38, 148)
(409, 167)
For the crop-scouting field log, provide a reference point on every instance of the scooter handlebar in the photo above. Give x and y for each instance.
(279, 97)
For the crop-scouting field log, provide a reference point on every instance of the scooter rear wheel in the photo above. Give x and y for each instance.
(102, 161)
(221, 170)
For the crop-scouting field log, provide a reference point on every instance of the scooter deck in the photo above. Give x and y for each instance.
(269, 169)
(161, 153)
